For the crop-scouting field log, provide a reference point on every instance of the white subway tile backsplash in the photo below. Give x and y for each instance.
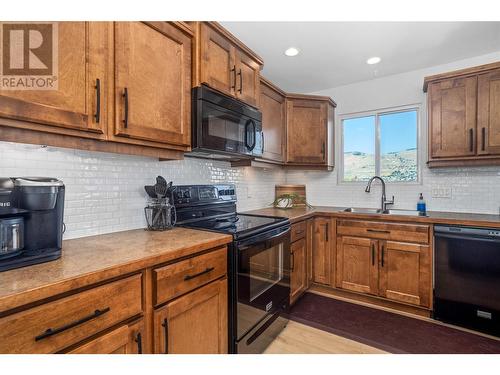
(104, 192)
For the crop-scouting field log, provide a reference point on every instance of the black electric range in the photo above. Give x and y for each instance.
(258, 262)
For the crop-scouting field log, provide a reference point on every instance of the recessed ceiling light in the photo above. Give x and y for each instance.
(373, 60)
(292, 51)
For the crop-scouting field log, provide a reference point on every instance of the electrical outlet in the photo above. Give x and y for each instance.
(441, 192)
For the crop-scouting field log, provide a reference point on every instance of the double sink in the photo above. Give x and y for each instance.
(378, 211)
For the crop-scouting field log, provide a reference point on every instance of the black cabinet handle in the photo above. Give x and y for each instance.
(483, 141)
(54, 331)
(97, 115)
(165, 331)
(382, 258)
(327, 229)
(138, 340)
(189, 277)
(471, 139)
(233, 86)
(241, 82)
(292, 261)
(373, 254)
(125, 97)
(378, 231)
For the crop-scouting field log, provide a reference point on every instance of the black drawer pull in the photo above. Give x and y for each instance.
(138, 340)
(51, 332)
(483, 139)
(378, 231)
(471, 139)
(373, 254)
(165, 328)
(189, 277)
(97, 115)
(382, 259)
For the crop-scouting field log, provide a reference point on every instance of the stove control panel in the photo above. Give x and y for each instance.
(193, 195)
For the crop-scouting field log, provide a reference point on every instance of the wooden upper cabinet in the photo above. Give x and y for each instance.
(225, 63)
(153, 82)
(82, 78)
(452, 117)
(488, 113)
(464, 116)
(217, 60)
(405, 272)
(248, 78)
(309, 130)
(273, 107)
(357, 264)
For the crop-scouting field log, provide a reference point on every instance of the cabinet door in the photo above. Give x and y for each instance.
(452, 117)
(405, 272)
(83, 52)
(306, 132)
(298, 277)
(218, 66)
(309, 251)
(195, 323)
(248, 79)
(127, 339)
(153, 82)
(488, 113)
(273, 109)
(357, 265)
(321, 252)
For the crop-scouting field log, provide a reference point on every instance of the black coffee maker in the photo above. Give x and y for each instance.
(31, 220)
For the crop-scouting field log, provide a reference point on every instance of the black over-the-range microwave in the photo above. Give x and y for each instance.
(223, 127)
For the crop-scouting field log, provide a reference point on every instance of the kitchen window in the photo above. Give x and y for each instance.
(382, 143)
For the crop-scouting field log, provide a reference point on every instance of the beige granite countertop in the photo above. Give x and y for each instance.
(90, 260)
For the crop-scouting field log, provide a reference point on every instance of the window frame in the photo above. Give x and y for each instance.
(377, 113)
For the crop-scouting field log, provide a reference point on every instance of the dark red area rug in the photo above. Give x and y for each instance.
(388, 331)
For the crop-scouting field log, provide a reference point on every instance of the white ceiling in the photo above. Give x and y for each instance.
(335, 53)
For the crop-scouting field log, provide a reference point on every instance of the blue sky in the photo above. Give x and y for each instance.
(398, 131)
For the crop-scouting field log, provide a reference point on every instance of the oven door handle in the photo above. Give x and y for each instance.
(247, 246)
(467, 237)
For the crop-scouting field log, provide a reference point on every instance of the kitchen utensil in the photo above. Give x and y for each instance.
(150, 190)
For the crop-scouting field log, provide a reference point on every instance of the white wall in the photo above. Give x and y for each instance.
(472, 189)
(105, 192)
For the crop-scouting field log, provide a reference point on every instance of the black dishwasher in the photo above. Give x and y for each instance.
(467, 277)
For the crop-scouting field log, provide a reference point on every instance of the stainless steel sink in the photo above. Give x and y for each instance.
(354, 210)
(403, 212)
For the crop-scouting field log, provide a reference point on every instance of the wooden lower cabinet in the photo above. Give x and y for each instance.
(357, 264)
(298, 265)
(195, 323)
(323, 245)
(126, 339)
(394, 270)
(405, 272)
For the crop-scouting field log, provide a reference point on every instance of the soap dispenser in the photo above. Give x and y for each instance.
(421, 206)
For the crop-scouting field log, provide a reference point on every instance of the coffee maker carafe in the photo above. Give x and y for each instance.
(39, 203)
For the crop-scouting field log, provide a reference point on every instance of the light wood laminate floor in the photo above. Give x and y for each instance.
(298, 338)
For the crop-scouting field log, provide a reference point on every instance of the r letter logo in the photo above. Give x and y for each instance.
(29, 53)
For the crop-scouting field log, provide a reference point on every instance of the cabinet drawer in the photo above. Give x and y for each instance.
(298, 231)
(387, 231)
(178, 278)
(55, 325)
